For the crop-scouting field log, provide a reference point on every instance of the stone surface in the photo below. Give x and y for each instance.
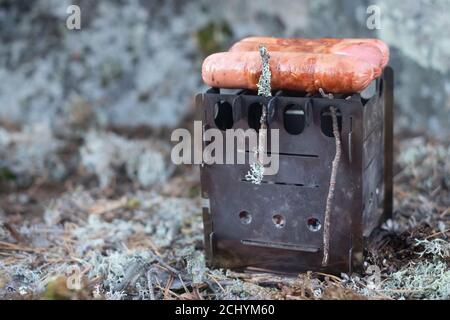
(138, 62)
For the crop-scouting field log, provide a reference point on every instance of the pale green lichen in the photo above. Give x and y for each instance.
(425, 279)
(144, 161)
(239, 289)
(264, 84)
(32, 152)
(436, 247)
(195, 264)
(256, 173)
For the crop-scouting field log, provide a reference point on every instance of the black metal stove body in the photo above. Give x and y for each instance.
(278, 225)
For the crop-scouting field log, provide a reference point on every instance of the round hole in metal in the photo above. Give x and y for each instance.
(245, 217)
(314, 224)
(278, 220)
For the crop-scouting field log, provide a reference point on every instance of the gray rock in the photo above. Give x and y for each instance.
(138, 63)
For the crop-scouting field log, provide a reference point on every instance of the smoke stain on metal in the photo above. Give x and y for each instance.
(298, 192)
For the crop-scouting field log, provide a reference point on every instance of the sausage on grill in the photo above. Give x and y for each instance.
(298, 71)
(358, 48)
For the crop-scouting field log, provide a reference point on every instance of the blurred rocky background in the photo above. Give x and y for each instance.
(138, 62)
(85, 118)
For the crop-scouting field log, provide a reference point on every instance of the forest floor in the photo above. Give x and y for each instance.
(74, 240)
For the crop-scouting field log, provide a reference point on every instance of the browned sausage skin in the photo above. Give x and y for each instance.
(306, 72)
(325, 45)
(365, 52)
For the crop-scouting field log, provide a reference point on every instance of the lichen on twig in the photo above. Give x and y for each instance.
(256, 173)
(264, 84)
(436, 247)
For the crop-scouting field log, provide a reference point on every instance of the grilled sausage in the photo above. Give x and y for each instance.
(364, 52)
(352, 47)
(306, 72)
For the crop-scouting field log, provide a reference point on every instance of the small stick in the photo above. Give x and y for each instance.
(440, 233)
(168, 286)
(326, 96)
(217, 282)
(14, 233)
(158, 286)
(165, 266)
(184, 286)
(335, 278)
(151, 287)
(330, 197)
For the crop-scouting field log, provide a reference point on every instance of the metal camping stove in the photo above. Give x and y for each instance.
(278, 225)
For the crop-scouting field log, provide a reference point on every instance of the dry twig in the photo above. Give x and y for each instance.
(330, 197)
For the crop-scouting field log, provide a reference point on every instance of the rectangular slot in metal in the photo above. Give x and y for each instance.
(284, 246)
(287, 154)
(284, 184)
